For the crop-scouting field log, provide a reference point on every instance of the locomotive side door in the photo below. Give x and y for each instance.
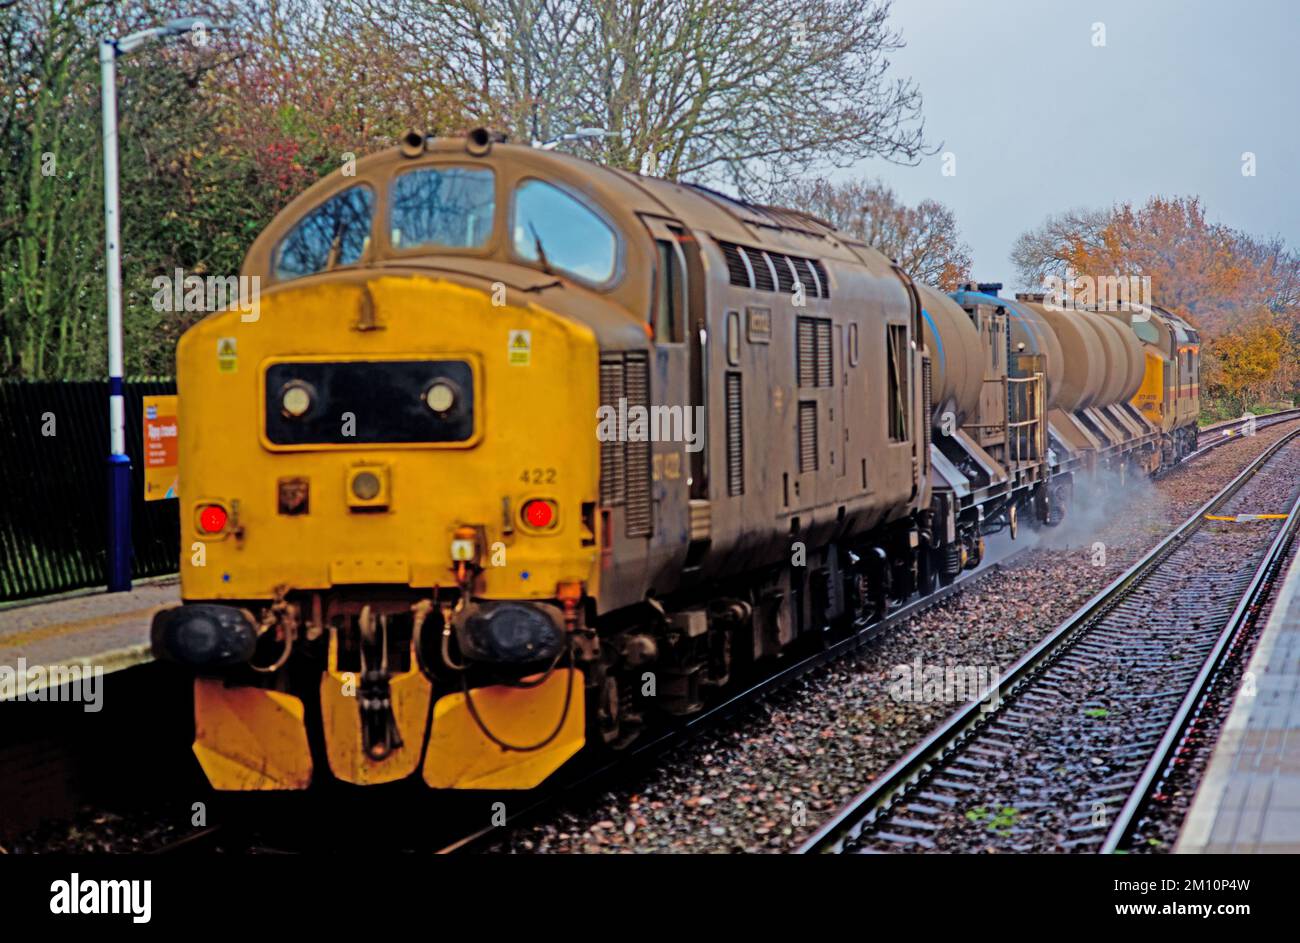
(678, 394)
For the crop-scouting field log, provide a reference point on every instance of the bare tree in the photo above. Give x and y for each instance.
(923, 239)
(1050, 248)
(726, 90)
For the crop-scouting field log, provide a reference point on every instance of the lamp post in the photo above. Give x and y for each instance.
(119, 464)
(582, 134)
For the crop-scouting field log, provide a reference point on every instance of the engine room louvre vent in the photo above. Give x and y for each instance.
(825, 355)
(806, 351)
(785, 277)
(638, 513)
(742, 260)
(815, 364)
(929, 408)
(735, 436)
(736, 269)
(613, 463)
(762, 274)
(808, 276)
(822, 277)
(807, 436)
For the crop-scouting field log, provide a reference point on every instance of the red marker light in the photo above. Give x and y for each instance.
(212, 519)
(539, 514)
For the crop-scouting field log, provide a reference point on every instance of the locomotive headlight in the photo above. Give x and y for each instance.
(440, 397)
(366, 485)
(295, 399)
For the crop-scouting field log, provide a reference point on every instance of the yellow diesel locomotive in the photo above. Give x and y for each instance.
(519, 451)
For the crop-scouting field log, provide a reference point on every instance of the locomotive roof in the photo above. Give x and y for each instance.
(618, 191)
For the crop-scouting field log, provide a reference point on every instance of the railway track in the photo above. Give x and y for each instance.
(1069, 747)
(1230, 430)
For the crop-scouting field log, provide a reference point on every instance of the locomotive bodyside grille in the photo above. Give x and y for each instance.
(929, 409)
(744, 260)
(806, 351)
(736, 269)
(822, 277)
(613, 487)
(762, 274)
(815, 352)
(807, 436)
(735, 436)
(825, 355)
(785, 275)
(638, 514)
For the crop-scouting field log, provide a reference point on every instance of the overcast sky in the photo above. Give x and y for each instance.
(1040, 120)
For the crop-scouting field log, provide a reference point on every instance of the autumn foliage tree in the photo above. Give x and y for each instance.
(1243, 362)
(923, 239)
(1243, 293)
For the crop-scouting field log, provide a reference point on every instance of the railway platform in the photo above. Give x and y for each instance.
(1249, 799)
(87, 630)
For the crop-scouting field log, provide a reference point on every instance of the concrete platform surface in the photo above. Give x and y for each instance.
(105, 630)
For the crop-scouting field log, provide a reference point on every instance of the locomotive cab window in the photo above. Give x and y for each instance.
(1146, 331)
(334, 234)
(444, 207)
(553, 229)
(669, 314)
(897, 355)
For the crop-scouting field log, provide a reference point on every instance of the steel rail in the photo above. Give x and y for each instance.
(865, 808)
(1158, 766)
(1227, 431)
(1280, 416)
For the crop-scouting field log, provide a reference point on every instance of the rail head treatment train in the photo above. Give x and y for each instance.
(522, 452)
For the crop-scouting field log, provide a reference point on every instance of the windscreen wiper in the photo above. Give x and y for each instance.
(541, 253)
